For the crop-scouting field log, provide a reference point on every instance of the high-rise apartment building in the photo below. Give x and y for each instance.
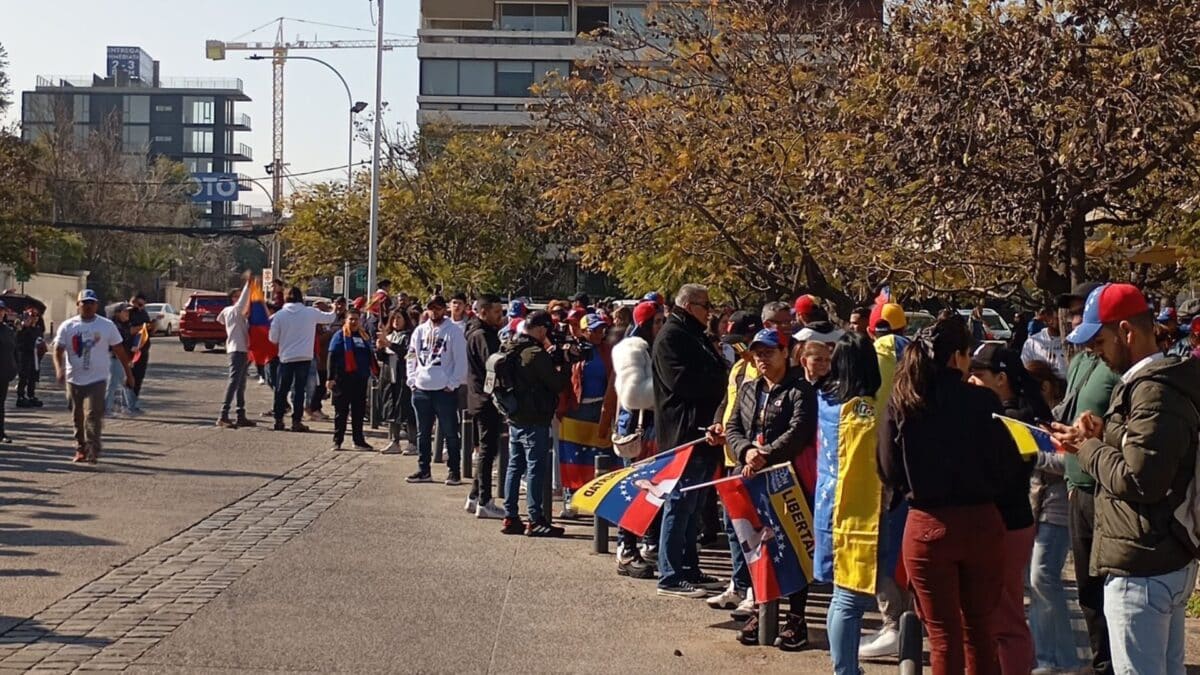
(190, 120)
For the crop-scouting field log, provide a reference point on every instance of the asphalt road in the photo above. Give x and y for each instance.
(195, 549)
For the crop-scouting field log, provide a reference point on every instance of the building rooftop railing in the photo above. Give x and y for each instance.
(231, 83)
(240, 120)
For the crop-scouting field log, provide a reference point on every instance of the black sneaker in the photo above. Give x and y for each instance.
(279, 426)
(748, 633)
(634, 567)
(419, 477)
(543, 529)
(681, 590)
(708, 582)
(794, 635)
(513, 526)
(24, 403)
(453, 478)
(35, 402)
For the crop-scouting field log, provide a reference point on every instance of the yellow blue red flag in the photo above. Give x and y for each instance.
(631, 497)
(1030, 440)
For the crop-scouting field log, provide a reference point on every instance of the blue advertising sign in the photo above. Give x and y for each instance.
(215, 187)
(134, 61)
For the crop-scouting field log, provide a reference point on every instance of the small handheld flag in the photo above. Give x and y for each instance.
(1030, 440)
(773, 523)
(631, 497)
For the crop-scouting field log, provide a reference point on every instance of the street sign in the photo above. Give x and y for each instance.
(339, 285)
(267, 276)
(214, 187)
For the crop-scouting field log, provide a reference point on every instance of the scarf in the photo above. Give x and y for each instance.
(350, 362)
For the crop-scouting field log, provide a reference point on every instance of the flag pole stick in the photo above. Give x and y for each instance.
(1024, 424)
(733, 477)
(664, 453)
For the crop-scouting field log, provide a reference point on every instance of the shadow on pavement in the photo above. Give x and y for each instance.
(28, 573)
(18, 630)
(32, 538)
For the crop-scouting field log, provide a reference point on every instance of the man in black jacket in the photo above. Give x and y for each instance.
(8, 363)
(483, 340)
(689, 383)
(537, 380)
(138, 316)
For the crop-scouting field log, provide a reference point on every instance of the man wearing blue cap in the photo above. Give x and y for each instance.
(81, 361)
(1143, 457)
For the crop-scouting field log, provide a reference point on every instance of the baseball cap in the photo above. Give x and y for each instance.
(593, 321)
(819, 331)
(517, 309)
(435, 301)
(769, 337)
(87, 295)
(121, 307)
(1080, 292)
(744, 324)
(1106, 304)
(645, 311)
(1166, 315)
(654, 296)
(804, 305)
(994, 357)
(539, 317)
(581, 298)
(891, 313)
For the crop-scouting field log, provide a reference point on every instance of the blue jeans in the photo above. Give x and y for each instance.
(1145, 621)
(741, 572)
(844, 627)
(528, 456)
(291, 377)
(235, 388)
(1049, 619)
(116, 385)
(678, 555)
(442, 406)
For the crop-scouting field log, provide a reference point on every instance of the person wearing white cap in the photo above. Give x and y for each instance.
(84, 341)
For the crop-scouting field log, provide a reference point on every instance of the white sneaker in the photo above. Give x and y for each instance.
(262, 381)
(886, 643)
(490, 510)
(746, 608)
(392, 448)
(730, 599)
(471, 506)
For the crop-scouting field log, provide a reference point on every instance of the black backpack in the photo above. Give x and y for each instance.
(499, 381)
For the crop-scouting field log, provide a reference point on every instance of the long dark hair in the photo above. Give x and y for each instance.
(924, 358)
(399, 313)
(855, 369)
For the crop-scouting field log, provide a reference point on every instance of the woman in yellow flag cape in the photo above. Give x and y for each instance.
(851, 539)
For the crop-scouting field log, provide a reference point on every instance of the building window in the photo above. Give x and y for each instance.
(630, 18)
(38, 108)
(82, 109)
(198, 140)
(513, 78)
(135, 138)
(439, 77)
(197, 110)
(476, 78)
(456, 24)
(590, 17)
(542, 70)
(525, 16)
(198, 164)
(135, 109)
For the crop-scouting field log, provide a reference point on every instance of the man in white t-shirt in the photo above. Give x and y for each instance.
(294, 331)
(237, 348)
(85, 341)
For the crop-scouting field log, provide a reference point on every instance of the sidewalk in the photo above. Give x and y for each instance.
(195, 549)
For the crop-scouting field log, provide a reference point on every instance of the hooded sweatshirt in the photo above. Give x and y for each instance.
(1142, 466)
(437, 357)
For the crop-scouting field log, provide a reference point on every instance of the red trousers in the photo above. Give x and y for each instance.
(955, 558)
(1014, 642)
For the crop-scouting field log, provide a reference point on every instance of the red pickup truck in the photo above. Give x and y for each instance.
(198, 323)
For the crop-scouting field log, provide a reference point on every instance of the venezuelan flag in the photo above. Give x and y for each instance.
(773, 523)
(1030, 440)
(261, 348)
(631, 497)
(578, 443)
(852, 537)
(140, 339)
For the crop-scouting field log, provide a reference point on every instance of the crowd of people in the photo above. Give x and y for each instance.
(921, 495)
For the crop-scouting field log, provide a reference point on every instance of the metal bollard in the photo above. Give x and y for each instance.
(911, 647)
(375, 401)
(768, 622)
(600, 525)
(468, 445)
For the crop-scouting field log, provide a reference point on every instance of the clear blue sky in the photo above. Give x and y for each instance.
(68, 37)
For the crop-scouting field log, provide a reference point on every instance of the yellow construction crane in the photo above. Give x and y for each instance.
(216, 49)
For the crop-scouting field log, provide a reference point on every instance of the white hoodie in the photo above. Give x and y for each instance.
(437, 357)
(634, 373)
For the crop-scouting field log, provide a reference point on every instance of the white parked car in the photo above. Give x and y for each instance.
(997, 328)
(165, 318)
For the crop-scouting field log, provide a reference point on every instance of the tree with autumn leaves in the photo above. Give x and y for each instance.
(969, 147)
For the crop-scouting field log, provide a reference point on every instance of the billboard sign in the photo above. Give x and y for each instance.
(133, 61)
(214, 187)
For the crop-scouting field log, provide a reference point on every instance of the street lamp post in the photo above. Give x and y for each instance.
(355, 107)
(377, 141)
